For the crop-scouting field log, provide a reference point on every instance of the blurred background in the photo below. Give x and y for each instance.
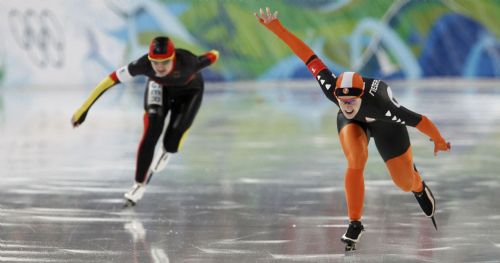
(70, 43)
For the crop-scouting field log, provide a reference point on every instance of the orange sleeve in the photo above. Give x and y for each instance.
(428, 128)
(295, 44)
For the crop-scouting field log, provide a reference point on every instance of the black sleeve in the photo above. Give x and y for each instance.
(140, 66)
(203, 61)
(324, 76)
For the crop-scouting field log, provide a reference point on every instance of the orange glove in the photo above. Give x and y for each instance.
(441, 145)
(428, 128)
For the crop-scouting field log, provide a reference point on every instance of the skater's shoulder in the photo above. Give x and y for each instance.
(141, 61)
(374, 87)
(140, 66)
(181, 52)
(185, 58)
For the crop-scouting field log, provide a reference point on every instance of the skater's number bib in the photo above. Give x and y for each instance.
(155, 93)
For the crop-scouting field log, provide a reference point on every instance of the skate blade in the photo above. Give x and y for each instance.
(349, 248)
(434, 222)
(349, 245)
(129, 203)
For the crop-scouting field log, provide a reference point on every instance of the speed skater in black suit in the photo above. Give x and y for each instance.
(175, 85)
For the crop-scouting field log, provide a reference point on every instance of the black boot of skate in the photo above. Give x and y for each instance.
(351, 237)
(427, 202)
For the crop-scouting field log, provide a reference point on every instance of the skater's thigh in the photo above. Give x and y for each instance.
(183, 111)
(391, 140)
(354, 138)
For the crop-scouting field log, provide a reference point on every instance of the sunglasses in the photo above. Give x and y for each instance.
(349, 101)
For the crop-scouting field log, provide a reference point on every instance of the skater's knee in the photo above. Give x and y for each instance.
(174, 139)
(357, 161)
(171, 148)
(356, 157)
(155, 114)
(154, 124)
(405, 185)
(402, 171)
(155, 110)
(171, 144)
(402, 178)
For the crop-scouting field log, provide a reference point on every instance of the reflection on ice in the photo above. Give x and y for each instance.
(261, 184)
(308, 258)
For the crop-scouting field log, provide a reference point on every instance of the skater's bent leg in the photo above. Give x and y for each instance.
(393, 144)
(182, 116)
(153, 126)
(403, 172)
(355, 146)
(174, 139)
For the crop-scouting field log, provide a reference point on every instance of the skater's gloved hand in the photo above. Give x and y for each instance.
(441, 145)
(267, 17)
(213, 55)
(78, 117)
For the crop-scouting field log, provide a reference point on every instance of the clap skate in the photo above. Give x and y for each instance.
(134, 194)
(427, 202)
(352, 235)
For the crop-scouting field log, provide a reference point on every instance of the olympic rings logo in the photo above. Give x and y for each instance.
(40, 35)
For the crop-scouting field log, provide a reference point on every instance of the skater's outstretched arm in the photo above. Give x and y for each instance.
(318, 69)
(271, 22)
(411, 118)
(80, 114)
(208, 59)
(427, 127)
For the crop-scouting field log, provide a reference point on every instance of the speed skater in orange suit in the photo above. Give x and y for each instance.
(368, 109)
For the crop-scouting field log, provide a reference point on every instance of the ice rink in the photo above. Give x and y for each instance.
(259, 179)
